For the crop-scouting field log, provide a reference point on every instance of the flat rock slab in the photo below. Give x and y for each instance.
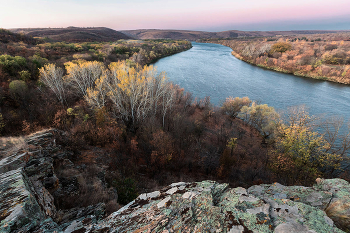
(211, 207)
(18, 207)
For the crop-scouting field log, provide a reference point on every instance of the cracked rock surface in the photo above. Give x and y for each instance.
(211, 207)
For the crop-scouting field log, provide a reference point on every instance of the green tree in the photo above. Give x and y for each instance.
(126, 189)
(12, 65)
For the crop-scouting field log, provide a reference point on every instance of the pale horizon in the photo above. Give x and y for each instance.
(204, 15)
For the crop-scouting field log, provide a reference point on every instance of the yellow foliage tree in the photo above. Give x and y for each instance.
(82, 75)
(136, 92)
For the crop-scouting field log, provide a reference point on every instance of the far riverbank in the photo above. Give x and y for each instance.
(322, 60)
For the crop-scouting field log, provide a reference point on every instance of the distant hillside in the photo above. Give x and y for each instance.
(195, 35)
(168, 34)
(74, 34)
(7, 36)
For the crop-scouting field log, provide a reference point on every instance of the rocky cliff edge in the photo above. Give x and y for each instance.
(26, 205)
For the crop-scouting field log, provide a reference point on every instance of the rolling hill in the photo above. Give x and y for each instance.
(74, 34)
(7, 36)
(195, 35)
(102, 34)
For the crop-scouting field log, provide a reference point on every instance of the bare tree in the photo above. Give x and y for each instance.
(167, 100)
(52, 77)
(298, 116)
(264, 49)
(249, 50)
(339, 142)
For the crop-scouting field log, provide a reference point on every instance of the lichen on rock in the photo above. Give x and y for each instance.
(211, 207)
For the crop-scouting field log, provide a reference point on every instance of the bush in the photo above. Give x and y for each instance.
(302, 155)
(331, 59)
(25, 75)
(2, 124)
(330, 47)
(126, 190)
(18, 87)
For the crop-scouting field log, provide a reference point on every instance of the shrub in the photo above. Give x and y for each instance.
(18, 87)
(25, 75)
(126, 189)
(2, 124)
(331, 59)
(330, 47)
(301, 155)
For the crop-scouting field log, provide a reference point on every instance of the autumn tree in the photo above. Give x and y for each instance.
(136, 92)
(82, 75)
(232, 106)
(262, 117)
(302, 154)
(97, 96)
(280, 47)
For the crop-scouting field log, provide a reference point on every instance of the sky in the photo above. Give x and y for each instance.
(204, 15)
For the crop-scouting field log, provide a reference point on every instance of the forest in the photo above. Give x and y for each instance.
(125, 121)
(319, 56)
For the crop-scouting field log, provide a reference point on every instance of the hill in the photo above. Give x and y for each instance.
(168, 34)
(102, 34)
(7, 36)
(195, 35)
(74, 34)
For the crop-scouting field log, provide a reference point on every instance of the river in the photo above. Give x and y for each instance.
(211, 70)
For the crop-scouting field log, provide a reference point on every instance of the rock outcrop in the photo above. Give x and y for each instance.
(211, 207)
(27, 179)
(25, 203)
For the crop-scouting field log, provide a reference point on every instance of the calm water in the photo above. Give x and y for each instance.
(211, 70)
